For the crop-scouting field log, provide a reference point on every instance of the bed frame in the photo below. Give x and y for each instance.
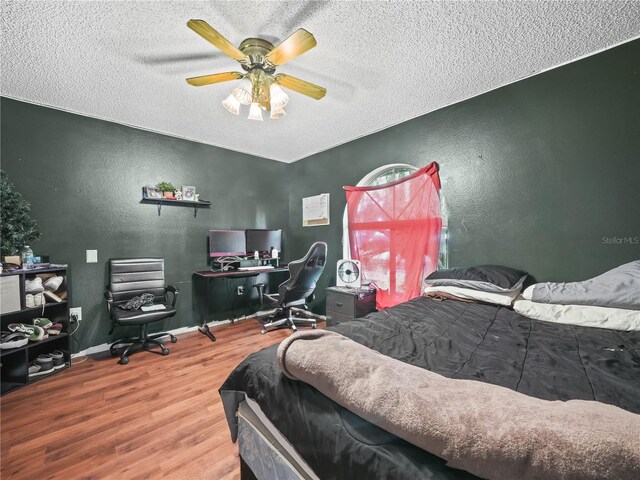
(264, 452)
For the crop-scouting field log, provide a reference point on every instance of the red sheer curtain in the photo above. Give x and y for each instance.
(394, 230)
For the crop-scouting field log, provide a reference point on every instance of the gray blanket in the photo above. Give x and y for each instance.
(485, 429)
(617, 288)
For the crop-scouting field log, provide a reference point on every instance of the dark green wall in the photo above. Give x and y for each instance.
(534, 173)
(83, 178)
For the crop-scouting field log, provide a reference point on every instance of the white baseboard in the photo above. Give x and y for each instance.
(178, 331)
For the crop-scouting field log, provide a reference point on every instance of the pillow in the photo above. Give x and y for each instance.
(617, 288)
(487, 278)
(527, 293)
(584, 315)
(504, 299)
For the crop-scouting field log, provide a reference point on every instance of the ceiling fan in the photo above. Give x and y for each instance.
(260, 86)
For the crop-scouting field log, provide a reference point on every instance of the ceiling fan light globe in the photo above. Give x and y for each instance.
(255, 113)
(278, 97)
(232, 104)
(243, 92)
(277, 112)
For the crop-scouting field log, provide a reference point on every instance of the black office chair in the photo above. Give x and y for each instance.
(303, 275)
(130, 278)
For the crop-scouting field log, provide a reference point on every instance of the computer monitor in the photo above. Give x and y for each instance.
(226, 242)
(263, 240)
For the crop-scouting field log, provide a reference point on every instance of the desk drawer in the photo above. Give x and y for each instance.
(339, 303)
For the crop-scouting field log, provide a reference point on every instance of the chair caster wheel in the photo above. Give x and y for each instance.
(123, 360)
(263, 331)
(174, 339)
(165, 352)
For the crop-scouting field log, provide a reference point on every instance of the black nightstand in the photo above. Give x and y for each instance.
(344, 304)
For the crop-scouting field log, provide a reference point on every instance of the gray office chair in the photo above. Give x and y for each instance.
(129, 278)
(303, 275)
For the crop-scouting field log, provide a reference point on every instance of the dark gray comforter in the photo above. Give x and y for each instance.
(455, 339)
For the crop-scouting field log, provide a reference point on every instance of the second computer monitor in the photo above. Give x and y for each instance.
(263, 240)
(227, 243)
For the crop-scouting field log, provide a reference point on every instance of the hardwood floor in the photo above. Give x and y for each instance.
(157, 417)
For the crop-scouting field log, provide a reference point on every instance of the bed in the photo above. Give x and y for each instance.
(314, 437)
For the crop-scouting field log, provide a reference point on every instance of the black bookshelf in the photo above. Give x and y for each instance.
(14, 372)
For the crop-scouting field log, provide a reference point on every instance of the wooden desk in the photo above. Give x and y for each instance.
(202, 280)
(239, 273)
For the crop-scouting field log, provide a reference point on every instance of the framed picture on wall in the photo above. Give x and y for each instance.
(315, 210)
(189, 193)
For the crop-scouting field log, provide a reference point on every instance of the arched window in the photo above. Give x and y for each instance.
(379, 176)
(388, 174)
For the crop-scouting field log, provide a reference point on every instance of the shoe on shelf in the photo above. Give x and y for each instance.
(58, 359)
(33, 285)
(42, 365)
(52, 284)
(13, 340)
(45, 276)
(38, 299)
(55, 329)
(34, 332)
(45, 323)
(33, 300)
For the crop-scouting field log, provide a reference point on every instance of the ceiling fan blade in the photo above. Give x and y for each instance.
(300, 86)
(214, 78)
(211, 35)
(297, 43)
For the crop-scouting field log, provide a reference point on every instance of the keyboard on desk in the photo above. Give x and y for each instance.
(261, 267)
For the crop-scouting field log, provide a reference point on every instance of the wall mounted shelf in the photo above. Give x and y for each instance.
(166, 201)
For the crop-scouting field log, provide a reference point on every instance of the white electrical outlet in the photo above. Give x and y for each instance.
(77, 311)
(92, 256)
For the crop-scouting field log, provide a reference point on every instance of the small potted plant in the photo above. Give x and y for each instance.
(167, 189)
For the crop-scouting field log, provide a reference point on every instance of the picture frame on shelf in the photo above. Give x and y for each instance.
(189, 193)
(152, 192)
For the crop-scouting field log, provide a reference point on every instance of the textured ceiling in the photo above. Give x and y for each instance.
(382, 62)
